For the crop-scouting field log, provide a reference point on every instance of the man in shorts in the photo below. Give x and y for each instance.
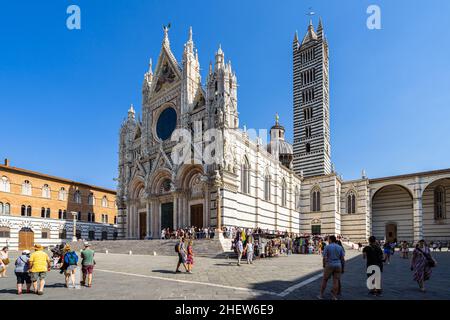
(87, 265)
(39, 266)
(333, 264)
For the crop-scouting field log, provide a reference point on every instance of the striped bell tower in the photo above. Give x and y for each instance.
(312, 149)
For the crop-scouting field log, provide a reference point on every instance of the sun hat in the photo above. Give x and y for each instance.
(86, 244)
(38, 247)
(26, 252)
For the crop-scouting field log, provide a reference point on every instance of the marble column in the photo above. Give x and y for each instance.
(148, 213)
(417, 219)
(175, 212)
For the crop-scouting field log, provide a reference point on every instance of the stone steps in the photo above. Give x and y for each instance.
(204, 247)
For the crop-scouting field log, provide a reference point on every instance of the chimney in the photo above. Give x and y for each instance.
(7, 162)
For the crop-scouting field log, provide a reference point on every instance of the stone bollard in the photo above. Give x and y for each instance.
(154, 253)
(106, 251)
(130, 253)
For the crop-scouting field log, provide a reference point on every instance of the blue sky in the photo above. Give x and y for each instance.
(64, 94)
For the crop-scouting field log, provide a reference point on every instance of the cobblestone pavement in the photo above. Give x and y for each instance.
(292, 277)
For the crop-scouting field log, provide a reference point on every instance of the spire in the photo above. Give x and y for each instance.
(150, 66)
(277, 119)
(219, 58)
(320, 27)
(210, 68)
(166, 35)
(296, 36)
(131, 112)
(190, 33)
(310, 34)
(220, 50)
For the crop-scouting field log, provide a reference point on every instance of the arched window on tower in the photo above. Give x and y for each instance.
(308, 148)
(439, 203)
(29, 211)
(315, 200)
(351, 202)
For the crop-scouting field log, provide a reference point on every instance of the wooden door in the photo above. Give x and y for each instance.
(142, 225)
(197, 216)
(26, 239)
(391, 232)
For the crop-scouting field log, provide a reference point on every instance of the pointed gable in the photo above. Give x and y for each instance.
(310, 34)
(168, 71)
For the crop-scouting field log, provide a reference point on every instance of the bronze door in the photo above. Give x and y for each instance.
(197, 216)
(142, 225)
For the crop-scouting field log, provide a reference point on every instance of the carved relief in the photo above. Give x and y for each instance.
(167, 76)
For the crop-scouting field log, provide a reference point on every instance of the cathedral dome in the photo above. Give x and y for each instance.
(285, 147)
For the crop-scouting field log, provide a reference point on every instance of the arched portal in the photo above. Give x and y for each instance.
(392, 214)
(436, 210)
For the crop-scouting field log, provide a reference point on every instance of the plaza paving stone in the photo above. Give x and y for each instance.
(152, 277)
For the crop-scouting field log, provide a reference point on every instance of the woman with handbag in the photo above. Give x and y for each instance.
(4, 261)
(421, 264)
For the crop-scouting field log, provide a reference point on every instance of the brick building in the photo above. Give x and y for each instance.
(36, 207)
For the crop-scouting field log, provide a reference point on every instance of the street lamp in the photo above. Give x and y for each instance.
(75, 215)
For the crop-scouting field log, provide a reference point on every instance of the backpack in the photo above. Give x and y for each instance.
(71, 258)
(177, 248)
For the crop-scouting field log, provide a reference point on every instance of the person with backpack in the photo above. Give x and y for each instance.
(21, 271)
(181, 251)
(374, 256)
(69, 265)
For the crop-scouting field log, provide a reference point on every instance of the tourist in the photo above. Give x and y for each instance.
(179, 248)
(387, 252)
(333, 264)
(405, 250)
(190, 256)
(163, 234)
(421, 264)
(87, 265)
(240, 250)
(435, 246)
(359, 246)
(249, 249)
(21, 271)
(393, 246)
(69, 265)
(40, 264)
(440, 246)
(4, 261)
(374, 257)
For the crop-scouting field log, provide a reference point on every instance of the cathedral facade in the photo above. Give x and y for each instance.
(186, 162)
